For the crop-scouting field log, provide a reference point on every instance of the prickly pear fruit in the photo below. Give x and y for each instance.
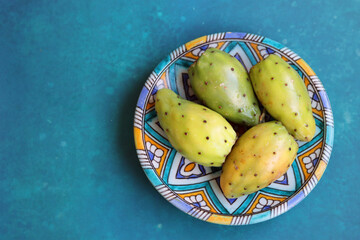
(198, 133)
(282, 92)
(222, 83)
(259, 157)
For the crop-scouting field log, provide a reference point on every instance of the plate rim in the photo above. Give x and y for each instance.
(228, 219)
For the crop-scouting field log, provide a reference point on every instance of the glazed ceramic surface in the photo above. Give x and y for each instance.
(195, 189)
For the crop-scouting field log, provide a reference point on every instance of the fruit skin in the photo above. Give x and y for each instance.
(259, 157)
(282, 92)
(198, 133)
(222, 83)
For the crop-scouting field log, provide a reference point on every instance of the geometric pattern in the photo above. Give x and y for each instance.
(194, 188)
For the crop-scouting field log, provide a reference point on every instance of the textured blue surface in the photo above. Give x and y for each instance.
(70, 75)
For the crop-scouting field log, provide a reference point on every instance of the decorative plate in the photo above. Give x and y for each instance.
(195, 189)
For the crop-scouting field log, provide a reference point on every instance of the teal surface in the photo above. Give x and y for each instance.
(70, 75)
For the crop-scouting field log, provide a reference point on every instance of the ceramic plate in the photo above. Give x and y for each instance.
(195, 189)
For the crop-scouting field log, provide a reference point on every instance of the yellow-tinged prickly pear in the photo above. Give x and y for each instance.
(222, 83)
(282, 92)
(198, 133)
(259, 157)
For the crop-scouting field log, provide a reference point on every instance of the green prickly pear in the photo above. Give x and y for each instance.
(222, 83)
(198, 133)
(282, 92)
(259, 157)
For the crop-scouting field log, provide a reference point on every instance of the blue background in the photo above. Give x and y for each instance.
(70, 75)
